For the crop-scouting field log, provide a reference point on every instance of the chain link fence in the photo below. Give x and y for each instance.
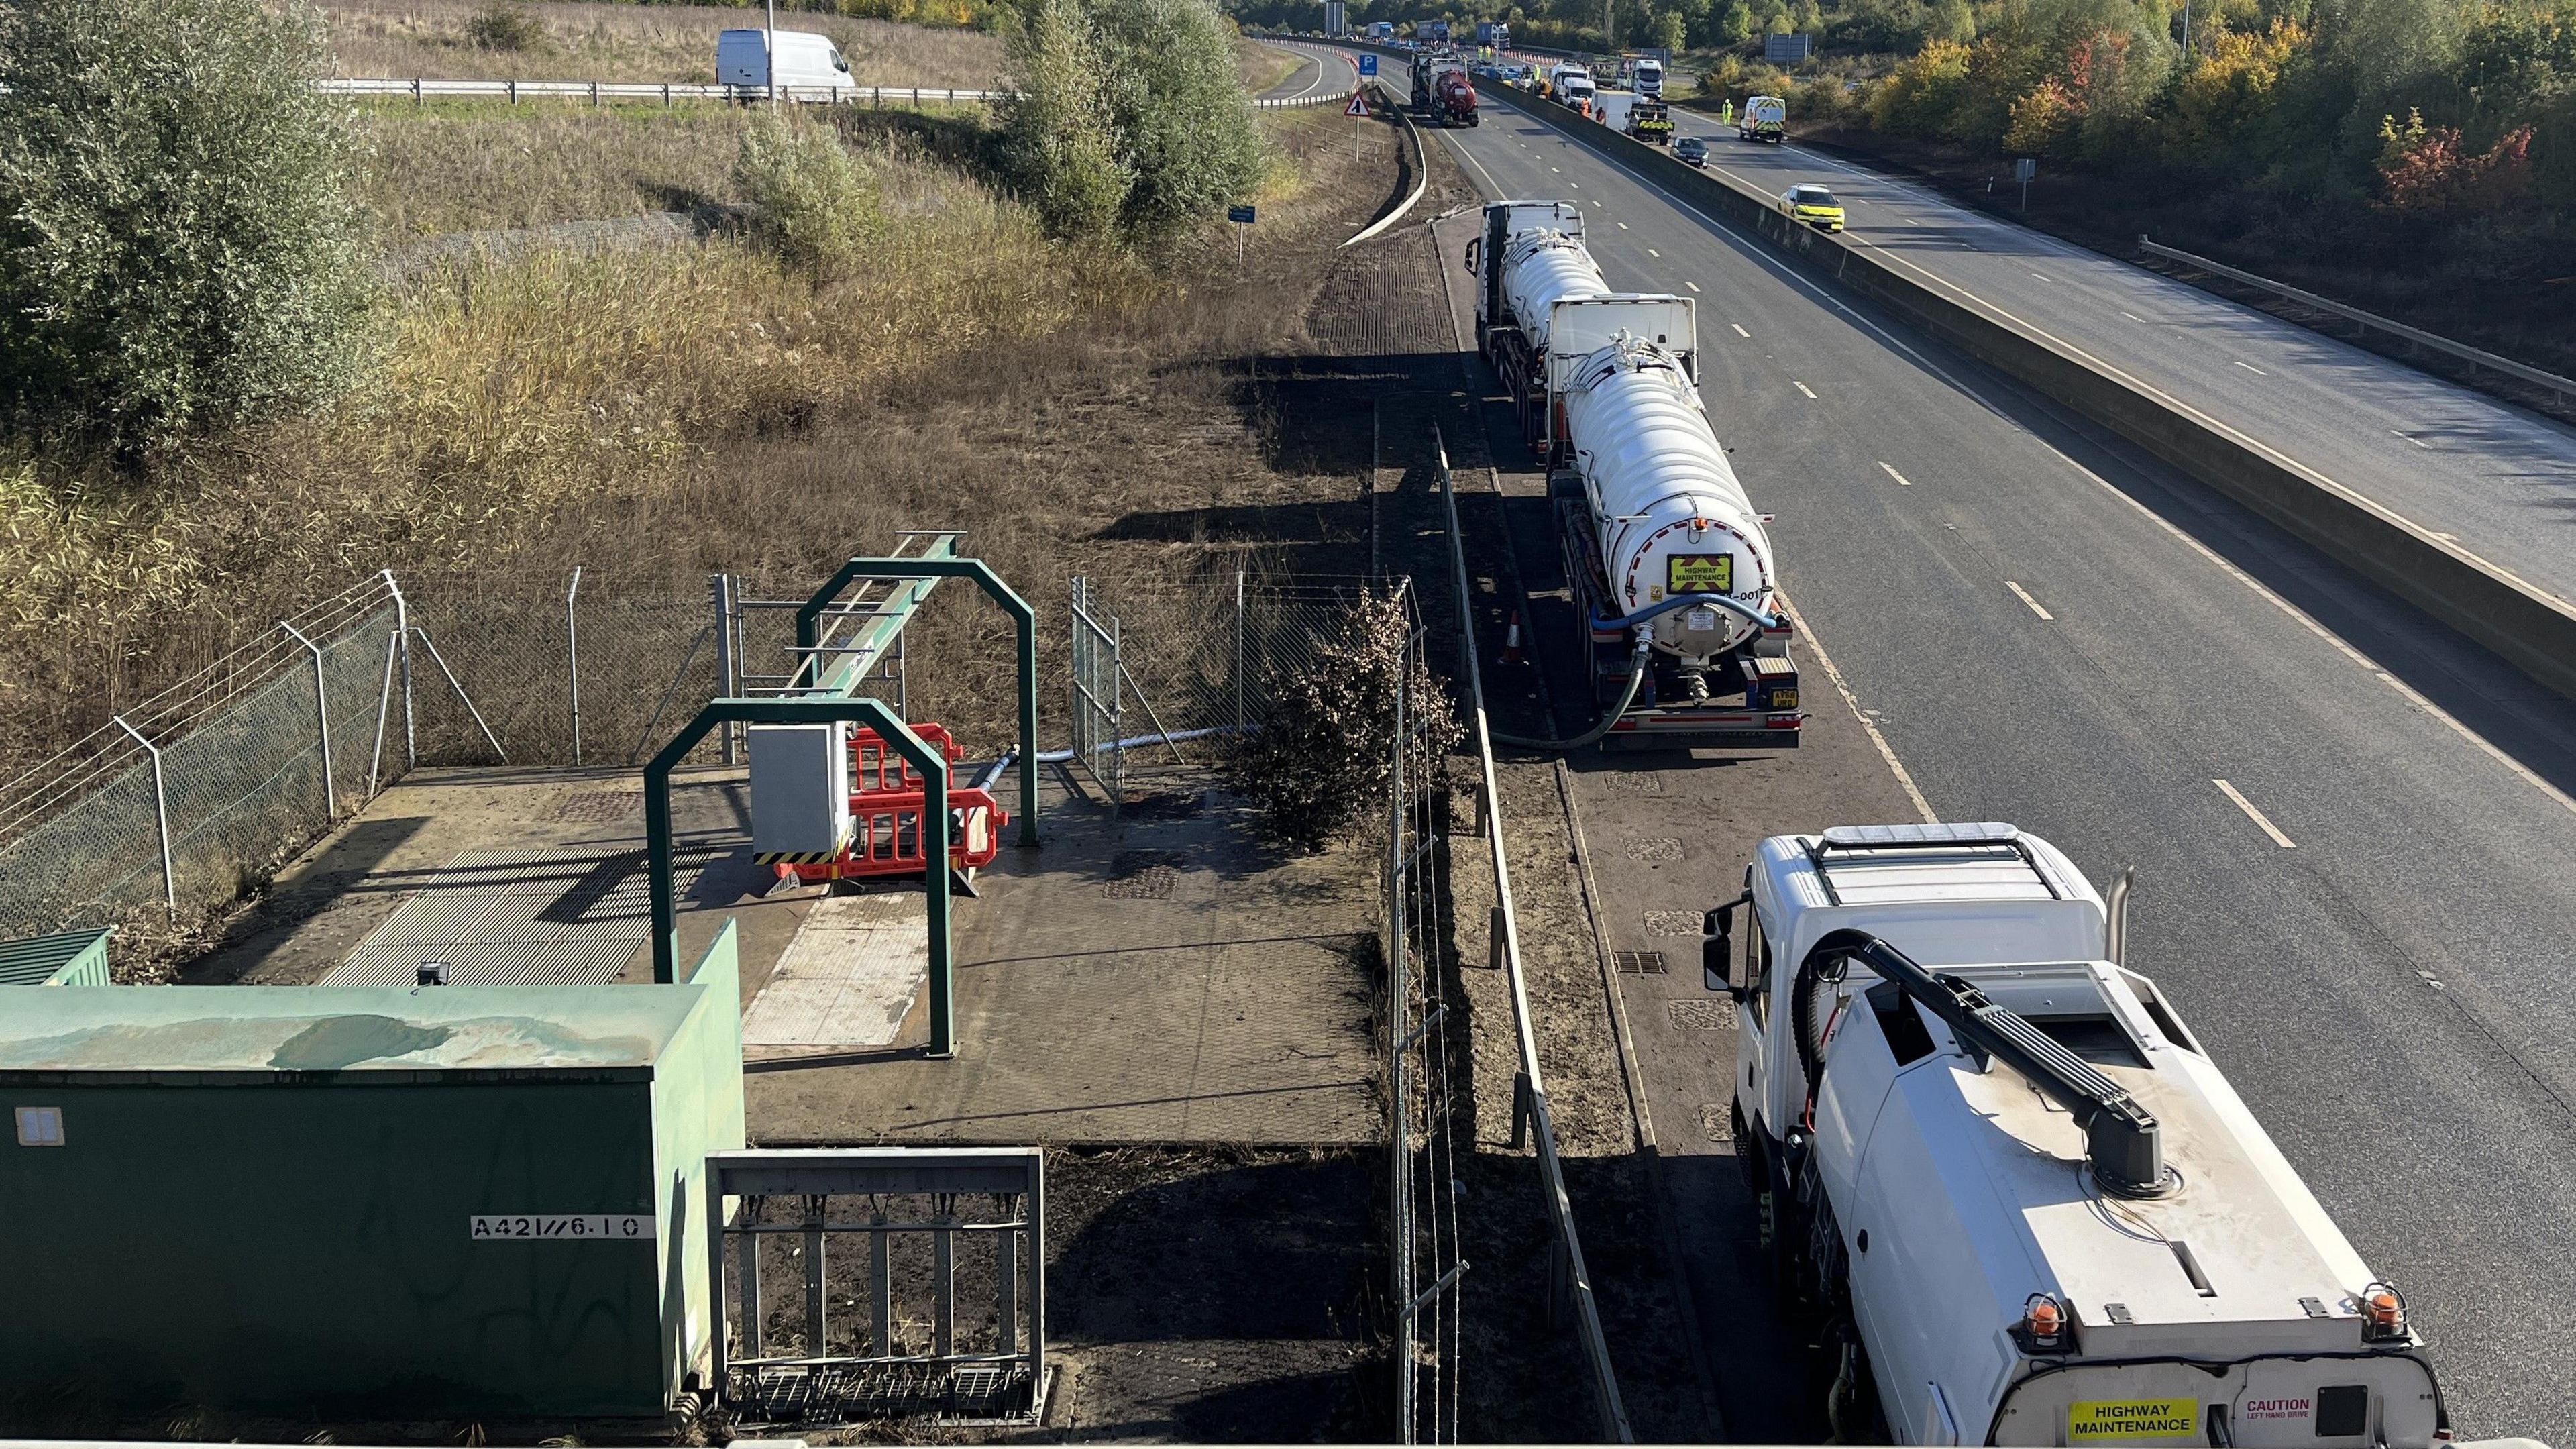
(177, 804)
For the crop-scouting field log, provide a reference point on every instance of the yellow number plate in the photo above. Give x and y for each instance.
(2133, 1421)
(1784, 699)
(1700, 573)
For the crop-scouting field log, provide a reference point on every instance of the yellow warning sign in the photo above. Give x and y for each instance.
(2133, 1421)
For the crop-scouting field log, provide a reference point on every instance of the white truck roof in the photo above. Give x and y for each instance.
(2240, 1242)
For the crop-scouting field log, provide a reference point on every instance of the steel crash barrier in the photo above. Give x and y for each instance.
(2529, 629)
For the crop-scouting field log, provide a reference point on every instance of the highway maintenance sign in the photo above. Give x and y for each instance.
(1358, 105)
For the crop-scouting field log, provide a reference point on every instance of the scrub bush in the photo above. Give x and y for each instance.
(179, 250)
(811, 202)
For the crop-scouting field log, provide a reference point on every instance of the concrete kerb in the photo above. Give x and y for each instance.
(2529, 629)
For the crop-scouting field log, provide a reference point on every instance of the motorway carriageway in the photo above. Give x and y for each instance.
(2351, 828)
(2494, 479)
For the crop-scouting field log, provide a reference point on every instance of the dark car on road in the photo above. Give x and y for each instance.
(1691, 149)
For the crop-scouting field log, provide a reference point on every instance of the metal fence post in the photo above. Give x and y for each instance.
(1399, 1109)
(322, 709)
(402, 627)
(161, 813)
(572, 659)
(721, 586)
(1238, 651)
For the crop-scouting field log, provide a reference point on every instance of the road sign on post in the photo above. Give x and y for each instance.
(2023, 169)
(1241, 216)
(1368, 65)
(1358, 105)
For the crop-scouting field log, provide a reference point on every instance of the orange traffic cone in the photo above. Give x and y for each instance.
(1512, 642)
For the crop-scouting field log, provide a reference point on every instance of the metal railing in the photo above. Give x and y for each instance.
(421, 88)
(2476, 358)
(1530, 1117)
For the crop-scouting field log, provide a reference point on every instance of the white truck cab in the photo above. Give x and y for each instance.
(2007, 1190)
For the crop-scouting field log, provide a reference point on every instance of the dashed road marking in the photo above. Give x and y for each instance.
(1740, 332)
(1901, 480)
(2043, 276)
(2024, 595)
(2257, 816)
(1802, 387)
(1694, 286)
(2410, 437)
(2249, 367)
(1650, 251)
(1623, 226)
(2132, 316)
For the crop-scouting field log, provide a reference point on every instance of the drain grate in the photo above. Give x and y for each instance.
(1717, 1015)
(597, 807)
(1673, 923)
(1639, 963)
(1142, 875)
(837, 1392)
(1655, 848)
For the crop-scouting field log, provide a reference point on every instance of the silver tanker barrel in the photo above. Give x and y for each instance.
(1670, 517)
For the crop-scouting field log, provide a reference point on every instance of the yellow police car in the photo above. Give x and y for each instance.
(1813, 205)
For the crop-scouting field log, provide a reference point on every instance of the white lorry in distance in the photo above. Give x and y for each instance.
(1650, 77)
(806, 61)
(1571, 85)
(1764, 118)
(2007, 1192)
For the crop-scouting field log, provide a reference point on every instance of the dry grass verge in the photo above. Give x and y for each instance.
(667, 413)
(609, 42)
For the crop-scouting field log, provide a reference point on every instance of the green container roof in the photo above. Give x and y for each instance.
(361, 1032)
(35, 960)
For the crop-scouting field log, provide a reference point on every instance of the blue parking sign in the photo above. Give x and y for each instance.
(1368, 65)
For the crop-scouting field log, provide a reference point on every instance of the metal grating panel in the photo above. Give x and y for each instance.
(1710, 1015)
(1639, 963)
(520, 918)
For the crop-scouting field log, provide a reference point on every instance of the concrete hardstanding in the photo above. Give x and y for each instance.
(266, 1197)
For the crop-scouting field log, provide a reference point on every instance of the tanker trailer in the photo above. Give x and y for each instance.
(1671, 571)
(2008, 1196)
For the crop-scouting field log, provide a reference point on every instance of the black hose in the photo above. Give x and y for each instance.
(1636, 678)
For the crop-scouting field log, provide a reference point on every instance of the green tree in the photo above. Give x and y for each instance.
(1059, 144)
(810, 199)
(178, 247)
(1953, 20)
(1670, 31)
(1804, 17)
(1731, 23)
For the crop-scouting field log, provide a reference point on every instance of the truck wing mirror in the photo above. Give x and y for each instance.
(1717, 952)
(1474, 244)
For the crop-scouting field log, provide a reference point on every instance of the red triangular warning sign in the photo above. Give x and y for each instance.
(1358, 105)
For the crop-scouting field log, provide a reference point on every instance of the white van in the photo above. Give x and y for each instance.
(1764, 118)
(805, 61)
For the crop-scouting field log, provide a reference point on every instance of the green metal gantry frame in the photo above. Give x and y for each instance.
(826, 699)
(919, 574)
(812, 709)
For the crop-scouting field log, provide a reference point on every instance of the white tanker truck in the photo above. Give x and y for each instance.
(1672, 573)
(2005, 1191)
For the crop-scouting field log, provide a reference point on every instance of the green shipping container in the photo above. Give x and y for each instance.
(442, 1202)
(74, 958)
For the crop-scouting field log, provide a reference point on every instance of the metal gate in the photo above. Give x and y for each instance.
(929, 1215)
(1098, 696)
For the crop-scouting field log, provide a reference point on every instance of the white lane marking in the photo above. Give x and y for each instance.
(2024, 595)
(1740, 332)
(1901, 480)
(1802, 387)
(1694, 286)
(2413, 696)
(2132, 316)
(1552, 171)
(2257, 816)
(1650, 251)
(1623, 226)
(2418, 442)
(1909, 221)
(2043, 276)
(2249, 367)
(1886, 752)
(1577, 185)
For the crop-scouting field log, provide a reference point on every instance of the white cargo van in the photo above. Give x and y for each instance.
(805, 61)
